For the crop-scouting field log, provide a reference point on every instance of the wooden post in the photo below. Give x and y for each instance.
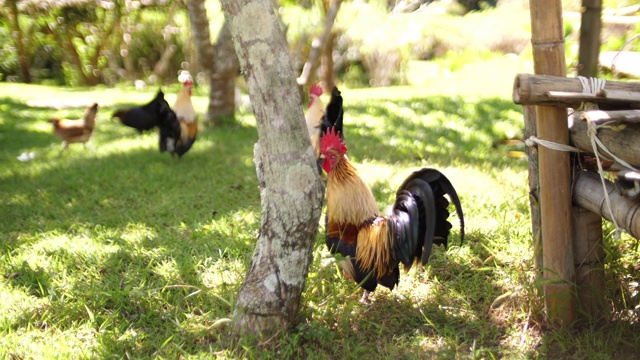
(587, 226)
(555, 172)
(589, 263)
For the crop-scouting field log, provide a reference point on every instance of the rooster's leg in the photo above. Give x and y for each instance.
(365, 297)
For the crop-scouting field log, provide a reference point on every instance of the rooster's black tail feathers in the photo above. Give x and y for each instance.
(420, 216)
(334, 114)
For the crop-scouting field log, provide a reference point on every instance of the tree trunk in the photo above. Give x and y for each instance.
(291, 190)
(23, 58)
(223, 81)
(219, 61)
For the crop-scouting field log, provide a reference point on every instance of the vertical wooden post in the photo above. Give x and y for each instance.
(554, 168)
(589, 262)
(590, 25)
(587, 226)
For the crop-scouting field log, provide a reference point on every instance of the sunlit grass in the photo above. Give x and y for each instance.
(119, 251)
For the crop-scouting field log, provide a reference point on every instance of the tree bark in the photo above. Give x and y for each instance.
(219, 61)
(223, 80)
(291, 190)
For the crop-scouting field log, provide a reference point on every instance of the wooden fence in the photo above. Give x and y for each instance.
(572, 272)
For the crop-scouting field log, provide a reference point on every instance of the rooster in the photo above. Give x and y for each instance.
(186, 114)
(313, 117)
(373, 245)
(169, 128)
(144, 117)
(75, 131)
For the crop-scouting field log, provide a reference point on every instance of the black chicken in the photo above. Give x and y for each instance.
(142, 118)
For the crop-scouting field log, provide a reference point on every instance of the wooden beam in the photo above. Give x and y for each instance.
(548, 90)
(624, 144)
(547, 39)
(588, 193)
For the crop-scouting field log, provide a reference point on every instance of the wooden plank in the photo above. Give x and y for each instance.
(547, 39)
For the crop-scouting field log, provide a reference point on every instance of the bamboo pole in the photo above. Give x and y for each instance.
(554, 169)
(588, 193)
(551, 90)
(624, 144)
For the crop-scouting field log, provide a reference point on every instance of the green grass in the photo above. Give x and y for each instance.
(118, 251)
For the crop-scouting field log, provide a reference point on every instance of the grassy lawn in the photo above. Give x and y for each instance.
(117, 251)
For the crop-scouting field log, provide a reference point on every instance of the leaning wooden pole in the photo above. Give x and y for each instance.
(554, 168)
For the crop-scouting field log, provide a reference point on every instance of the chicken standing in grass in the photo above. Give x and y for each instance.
(373, 245)
(144, 117)
(186, 114)
(168, 128)
(76, 131)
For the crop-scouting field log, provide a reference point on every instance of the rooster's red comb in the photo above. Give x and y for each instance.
(331, 140)
(315, 89)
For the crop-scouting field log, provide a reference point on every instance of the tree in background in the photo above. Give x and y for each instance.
(322, 48)
(83, 30)
(82, 42)
(23, 58)
(291, 190)
(219, 61)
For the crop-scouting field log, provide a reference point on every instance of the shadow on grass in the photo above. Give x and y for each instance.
(143, 285)
(453, 319)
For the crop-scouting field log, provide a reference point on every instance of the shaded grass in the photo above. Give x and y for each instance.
(119, 252)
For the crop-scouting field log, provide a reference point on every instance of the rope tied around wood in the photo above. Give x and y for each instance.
(589, 86)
